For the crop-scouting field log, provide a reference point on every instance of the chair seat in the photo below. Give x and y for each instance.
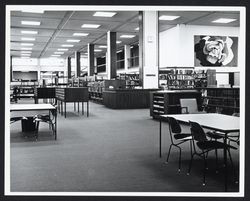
(215, 135)
(207, 145)
(183, 136)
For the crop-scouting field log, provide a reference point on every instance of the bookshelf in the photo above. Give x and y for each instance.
(185, 78)
(222, 100)
(132, 79)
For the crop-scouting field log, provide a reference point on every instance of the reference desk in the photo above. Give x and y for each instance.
(73, 95)
(38, 107)
(217, 122)
(127, 98)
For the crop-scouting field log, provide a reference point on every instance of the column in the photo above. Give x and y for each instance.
(91, 59)
(148, 49)
(77, 63)
(69, 67)
(126, 57)
(11, 57)
(111, 55)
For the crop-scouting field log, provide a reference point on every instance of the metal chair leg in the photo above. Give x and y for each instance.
(205, 169)
(179, 160)
(169, 152)
(234, 171)
(190, 164)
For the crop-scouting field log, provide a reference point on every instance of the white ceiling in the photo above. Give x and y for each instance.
(58, 26)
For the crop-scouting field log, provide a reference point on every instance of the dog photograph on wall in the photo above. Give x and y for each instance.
(216, 51)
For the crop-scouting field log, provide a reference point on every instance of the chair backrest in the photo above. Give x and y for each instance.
(174, 126)
(190, 104)
(197, 132)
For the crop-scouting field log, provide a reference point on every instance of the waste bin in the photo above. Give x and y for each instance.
(28, 124)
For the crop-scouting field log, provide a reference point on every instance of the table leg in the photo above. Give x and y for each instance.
(65, 109)
(55, 127)
(82, 108)
(74, 106)
(78, 107)
(87, 108)
(225, 161)
(160, 139)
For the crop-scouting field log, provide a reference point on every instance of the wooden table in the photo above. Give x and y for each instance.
(218, 122)
(37, 107)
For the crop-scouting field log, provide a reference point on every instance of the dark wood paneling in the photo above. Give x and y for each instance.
(78, 94)
(112, 57)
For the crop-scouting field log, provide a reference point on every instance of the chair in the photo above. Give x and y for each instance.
(46, 118)
(15, 119)
(201, 146)
(177, 137)
(189, 106)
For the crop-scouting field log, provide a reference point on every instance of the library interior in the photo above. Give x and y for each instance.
(125, 100)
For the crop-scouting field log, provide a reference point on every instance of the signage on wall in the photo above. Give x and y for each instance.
(215, 51)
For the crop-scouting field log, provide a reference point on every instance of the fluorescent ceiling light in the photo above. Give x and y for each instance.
(25, 57)
(27, 44)
(58, 52)
(80, 34)
(67, 45)
(62, 49)
(25, 52)
(73, 41)
(35, 23)
(32, 11)
(224, 20)
(26, 48)
(127, 36)
(102, 46)
(55, 55)
(97, 50)
(118, 42)
(104, 14)
(28, 39)
(168, 17)
(119, 51)
(137, 28)
(29, 32)
(92, 26)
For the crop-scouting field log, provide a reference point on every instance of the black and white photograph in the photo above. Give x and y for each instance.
(105, 100)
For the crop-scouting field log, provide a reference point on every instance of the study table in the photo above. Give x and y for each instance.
(214, 121)
(37, 107)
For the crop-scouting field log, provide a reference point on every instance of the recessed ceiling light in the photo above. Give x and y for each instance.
(26, 48)
(35, 23)
(127, 36)
(62, 49)
(224, 20)
(67, 45)
(73, 41)
(168, 17)
(28, 39)
(92, 26)
(118, 42)
(137, 28)
(32, 11)
(102, 46)
(26, 52)
(55, 55)
(25, 57)
(97, 50)
(104, 14)
(27, 44)
(80, 34)
(58, 52)
(29, 32)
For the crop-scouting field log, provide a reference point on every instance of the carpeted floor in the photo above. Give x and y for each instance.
(110, 151)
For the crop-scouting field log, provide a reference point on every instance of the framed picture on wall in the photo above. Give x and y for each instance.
(215, 51)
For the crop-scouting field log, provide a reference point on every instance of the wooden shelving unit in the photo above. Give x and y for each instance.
(132, 79)
(168, 102)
